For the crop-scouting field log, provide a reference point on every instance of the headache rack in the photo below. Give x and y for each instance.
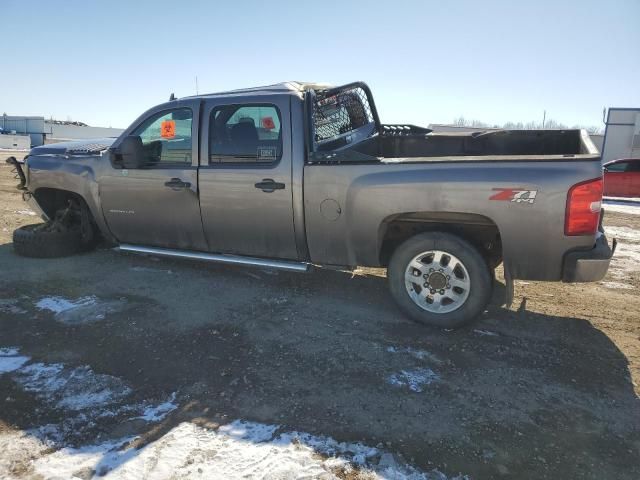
(341, 115)
(345, 115)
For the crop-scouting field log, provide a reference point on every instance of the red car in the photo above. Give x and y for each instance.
(622, 178)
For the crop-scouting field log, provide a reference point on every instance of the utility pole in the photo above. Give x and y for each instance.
(544, 118)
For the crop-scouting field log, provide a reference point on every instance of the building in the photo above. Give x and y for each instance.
(43, 131)
(622, 134)
(14, 142)
(58, 131)
(18, 125)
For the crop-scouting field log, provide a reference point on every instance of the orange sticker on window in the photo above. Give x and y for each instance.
(268, 123)
(168, 129)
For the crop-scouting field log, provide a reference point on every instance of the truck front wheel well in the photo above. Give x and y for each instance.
(478, 230)
(67, 210)
(51, 200)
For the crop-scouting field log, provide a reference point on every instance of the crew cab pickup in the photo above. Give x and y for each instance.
(296, 175)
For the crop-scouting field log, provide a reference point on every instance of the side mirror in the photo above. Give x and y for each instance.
(132, 152)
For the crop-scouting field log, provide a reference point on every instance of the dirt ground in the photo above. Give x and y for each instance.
(546, 389)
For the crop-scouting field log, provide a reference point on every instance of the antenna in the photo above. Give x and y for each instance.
(196, 85)
(172, 97)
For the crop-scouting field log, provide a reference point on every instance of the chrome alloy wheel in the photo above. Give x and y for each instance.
(437, 281)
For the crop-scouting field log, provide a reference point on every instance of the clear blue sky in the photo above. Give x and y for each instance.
(105, 62)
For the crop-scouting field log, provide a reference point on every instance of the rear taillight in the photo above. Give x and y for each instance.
(583, 208)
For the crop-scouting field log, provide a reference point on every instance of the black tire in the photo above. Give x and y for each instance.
(478, 271)
(41, 242)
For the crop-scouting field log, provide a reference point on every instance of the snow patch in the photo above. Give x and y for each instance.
(234, 451)
(418, 354)
(60, 304)
(626, 259)
(81, 310)
(11, 360)
(621, 207)
(608, 198)
(238, 450)
(159, 412)
(19, 449)
(77, 388)
(414, 379)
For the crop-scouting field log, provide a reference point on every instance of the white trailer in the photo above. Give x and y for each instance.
(622, 134)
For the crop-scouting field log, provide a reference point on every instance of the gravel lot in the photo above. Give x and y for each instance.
(131, 366)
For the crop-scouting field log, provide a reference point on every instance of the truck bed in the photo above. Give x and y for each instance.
(348, 204)
(502, 145)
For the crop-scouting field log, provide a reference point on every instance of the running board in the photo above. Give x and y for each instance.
(219, 258)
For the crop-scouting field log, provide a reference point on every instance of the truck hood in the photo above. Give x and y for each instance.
(80, 147)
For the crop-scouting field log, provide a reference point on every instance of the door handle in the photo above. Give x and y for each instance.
(177, 184)
(269, 185)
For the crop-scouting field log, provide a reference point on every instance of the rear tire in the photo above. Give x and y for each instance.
(439, 279)
(41, 241)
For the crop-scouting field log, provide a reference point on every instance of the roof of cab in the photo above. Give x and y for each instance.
(275, 89)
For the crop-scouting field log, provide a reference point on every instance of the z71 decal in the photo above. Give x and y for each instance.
(514, 195)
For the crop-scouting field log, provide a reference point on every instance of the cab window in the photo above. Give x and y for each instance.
(166, 137)
(245, 134)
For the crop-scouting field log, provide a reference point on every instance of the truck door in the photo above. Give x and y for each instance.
(245, 177)
(157, 204)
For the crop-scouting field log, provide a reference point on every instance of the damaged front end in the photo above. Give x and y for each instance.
(74, 215)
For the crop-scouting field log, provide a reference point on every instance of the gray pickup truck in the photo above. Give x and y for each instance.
(296, 175)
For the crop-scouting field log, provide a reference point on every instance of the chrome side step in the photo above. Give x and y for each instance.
(219, 258)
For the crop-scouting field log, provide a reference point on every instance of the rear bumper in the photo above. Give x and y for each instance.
(589, 265)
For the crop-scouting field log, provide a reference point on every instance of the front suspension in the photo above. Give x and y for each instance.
(19, 173)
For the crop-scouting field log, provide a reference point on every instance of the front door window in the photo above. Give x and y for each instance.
(166, 137)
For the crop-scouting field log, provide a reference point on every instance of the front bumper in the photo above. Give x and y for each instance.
(589, 265)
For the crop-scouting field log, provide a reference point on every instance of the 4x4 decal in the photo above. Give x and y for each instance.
(516, 195)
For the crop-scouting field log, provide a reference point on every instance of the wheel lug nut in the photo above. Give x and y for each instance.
(430, 270)
(426, 285)
(448, 277)
(425, 276)
(441, 292)
(433, 291)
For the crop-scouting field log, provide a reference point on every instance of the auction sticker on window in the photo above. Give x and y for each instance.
(267, 154)
(168, 129)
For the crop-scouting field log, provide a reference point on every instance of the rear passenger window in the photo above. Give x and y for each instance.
(245, 134)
